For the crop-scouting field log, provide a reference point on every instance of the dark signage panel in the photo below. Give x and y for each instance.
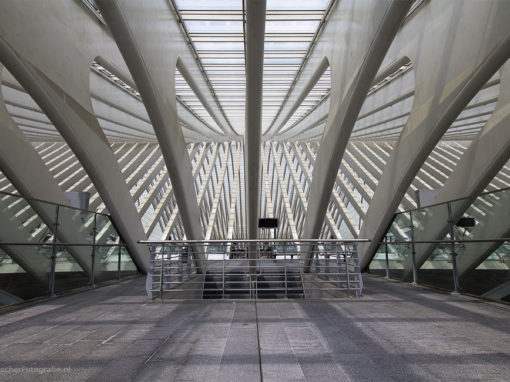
(268, 223)
(466, 222)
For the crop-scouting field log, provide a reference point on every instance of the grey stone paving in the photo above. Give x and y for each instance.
(395, 332)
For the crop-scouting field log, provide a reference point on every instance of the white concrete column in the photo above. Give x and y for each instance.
(145, 63)
(23, 166)
(479, 164)
(85, 137)
(255, 27)
(344, 111)
(447, 83)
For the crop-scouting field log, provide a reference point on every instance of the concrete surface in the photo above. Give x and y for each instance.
(396, 332)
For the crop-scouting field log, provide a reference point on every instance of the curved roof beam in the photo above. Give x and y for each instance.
(451, 81)
(188, 58)
(155, 82)
(374, 41)
(310, 71)
(81, 130)
(304, 67)
(375, 102)
(208, 105)
(319, 71)
(186, 114)
(200, 95)
(33, 180)
(477, 167)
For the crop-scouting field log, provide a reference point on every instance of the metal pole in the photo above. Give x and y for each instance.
(161, 272)
(338, 267)
(387, 261)
(188, 259)
(286, 285)
(413, 251)
(252, 250)
(327, 251)
(51, 291)
(118, 261)
(317, 265)
(347, 276)
(173, 258)
(93, 267)
(452, 250)
(179, 264)
(357, 273)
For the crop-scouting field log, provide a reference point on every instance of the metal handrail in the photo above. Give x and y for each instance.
(62, 244)
(336, 241)
(257, 269)
(445, 241)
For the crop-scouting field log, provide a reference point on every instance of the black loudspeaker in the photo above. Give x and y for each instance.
(268, 223)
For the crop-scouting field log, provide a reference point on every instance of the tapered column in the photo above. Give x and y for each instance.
(84, 135)
(146, 64)
(255, 27)
(343, 114)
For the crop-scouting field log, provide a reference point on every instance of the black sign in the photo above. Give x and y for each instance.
(466, 222)
(268, 223)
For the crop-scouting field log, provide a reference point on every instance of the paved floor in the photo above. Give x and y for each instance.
(395, 332)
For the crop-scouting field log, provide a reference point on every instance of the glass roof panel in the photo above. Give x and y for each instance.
(290, 26)
(287, 45)
(209, 4)
(282, 61)
(296, 5)
(216, 31)
(219, 46)
(213, 26)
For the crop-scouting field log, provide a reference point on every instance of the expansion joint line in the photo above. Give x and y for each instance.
(258, 341)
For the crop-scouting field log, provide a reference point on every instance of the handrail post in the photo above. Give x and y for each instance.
(327, 266)
(51, 291)
(338, 268)
(179, 263)
(357, 272)
(93, 255)
(413, 251)
(387, 260)
(452, 250)
(347, 273)
(286, 284)
(162, 253)
(119, 260)
(149, 283)
(188, 259)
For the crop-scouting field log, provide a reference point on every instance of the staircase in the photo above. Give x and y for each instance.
(237, 284)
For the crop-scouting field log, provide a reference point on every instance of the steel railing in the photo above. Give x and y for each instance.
(252, 269)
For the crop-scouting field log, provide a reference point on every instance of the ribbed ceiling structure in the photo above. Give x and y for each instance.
(362, 103)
